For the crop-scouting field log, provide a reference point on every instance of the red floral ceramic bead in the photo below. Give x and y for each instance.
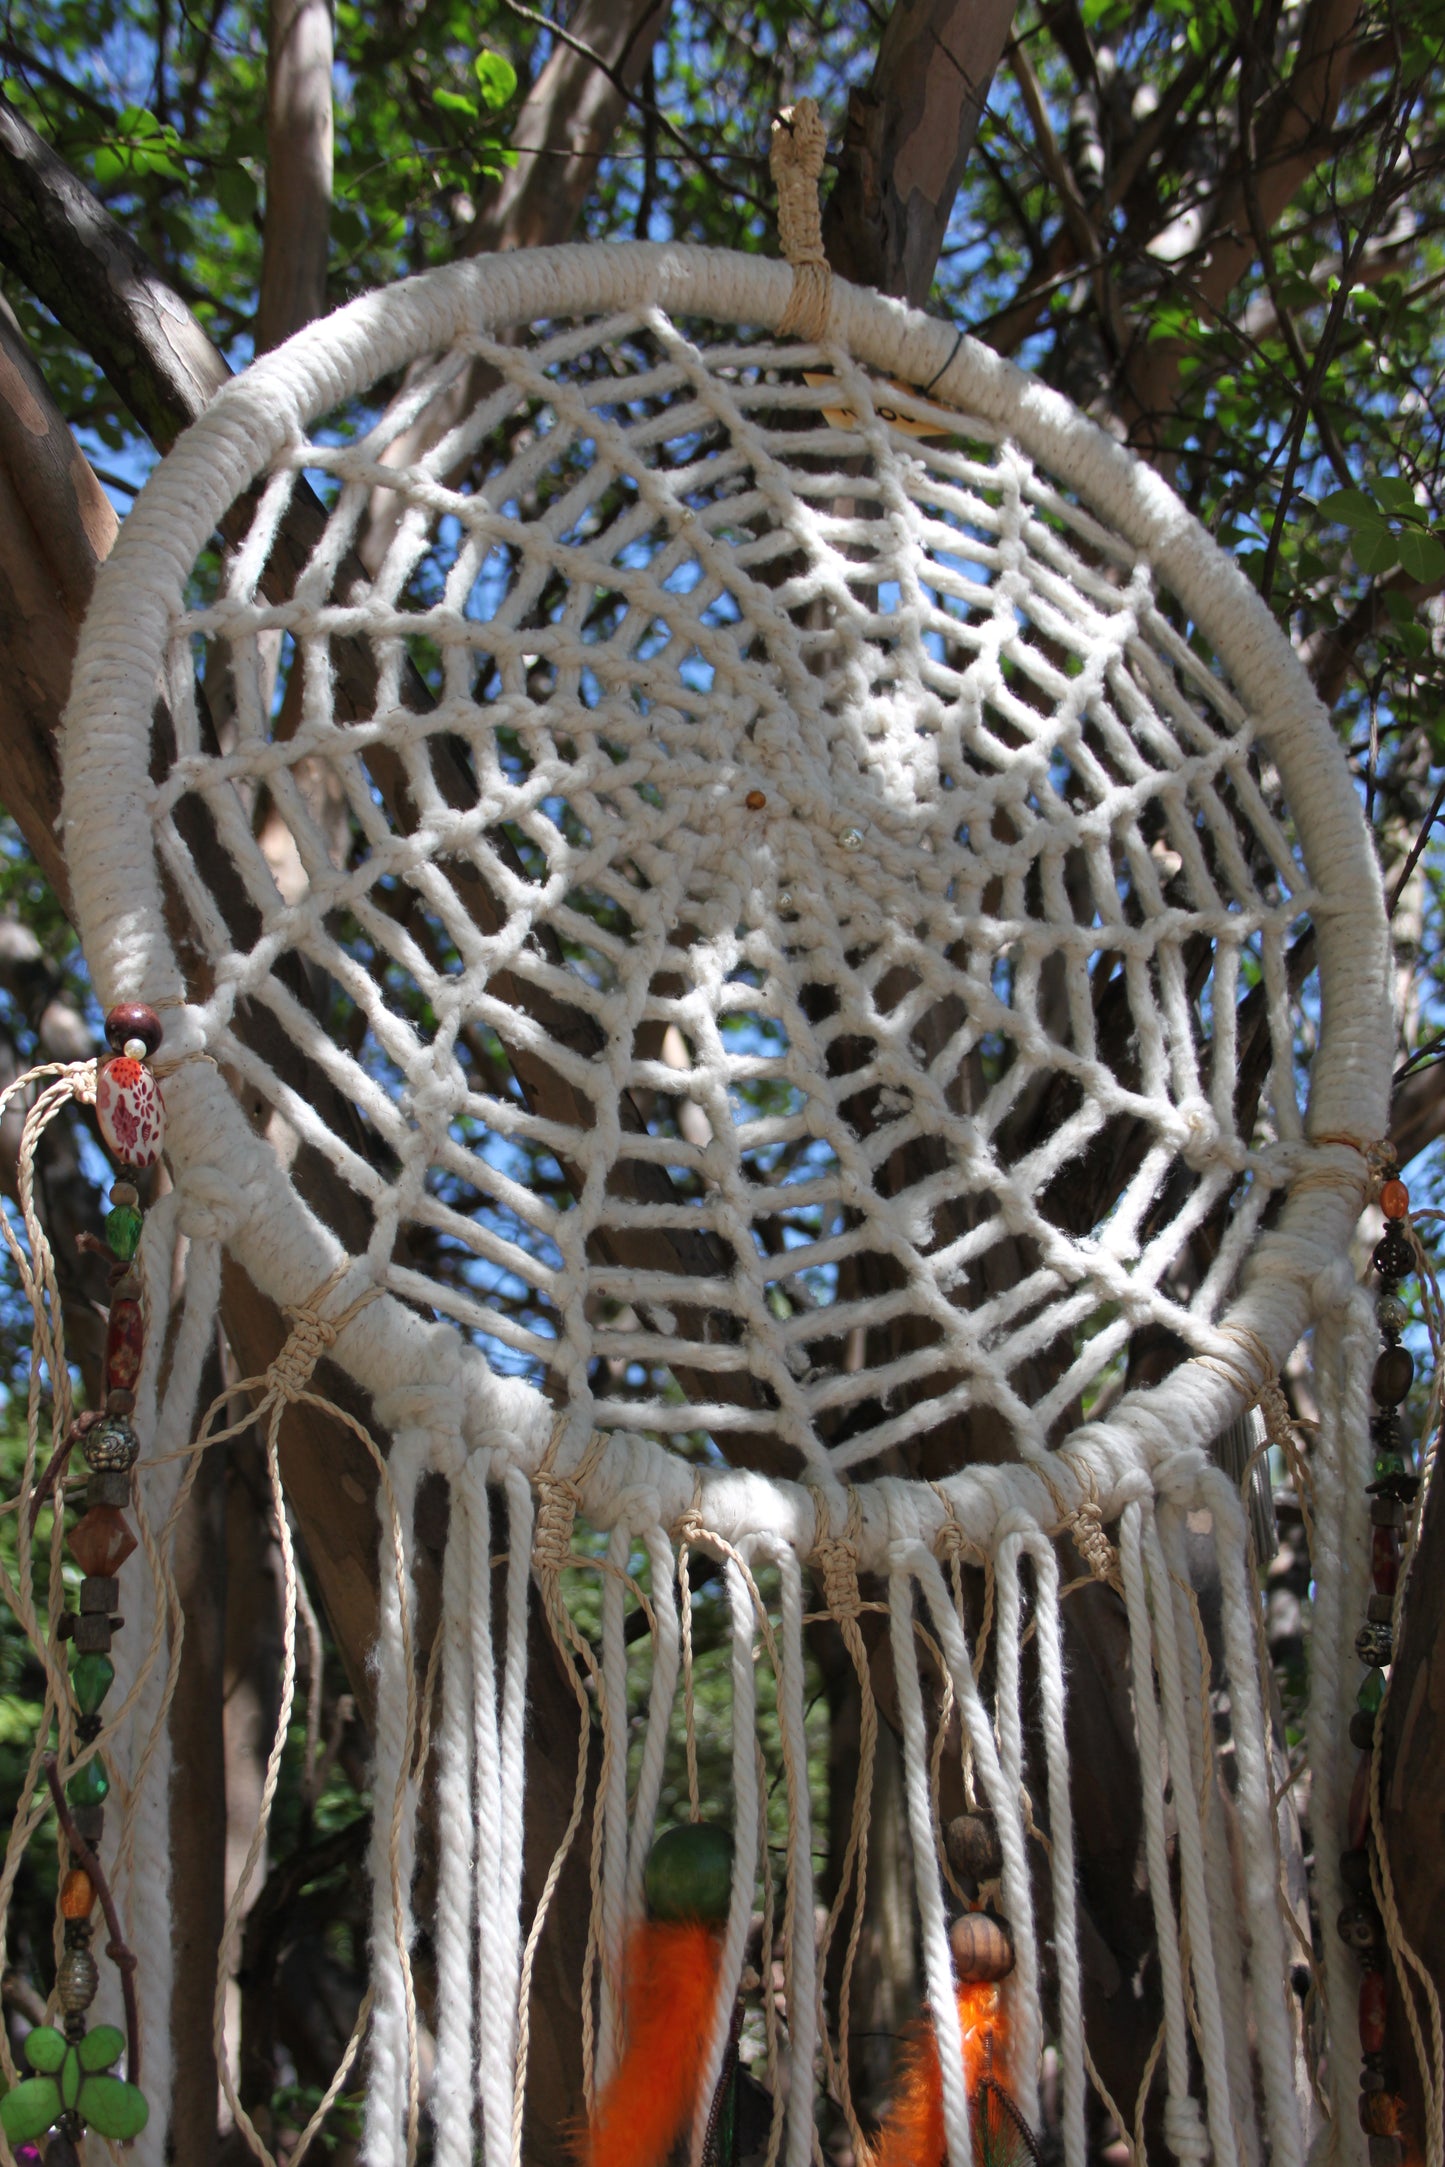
(1372, 2013)
(124, 1346)
(131, 1112)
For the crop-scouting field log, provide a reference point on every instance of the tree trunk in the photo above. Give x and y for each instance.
(298, 169)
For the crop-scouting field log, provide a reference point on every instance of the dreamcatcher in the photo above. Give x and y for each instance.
(730, 890)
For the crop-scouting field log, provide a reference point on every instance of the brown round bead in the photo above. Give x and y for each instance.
(756, 800)
(972, 1844)
(133, 1020)
(1394, 1200)
(1393, 1377)
(77, 1894)
(982, 1946)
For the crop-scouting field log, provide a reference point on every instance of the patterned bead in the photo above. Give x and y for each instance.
(111, 1444)
(1394, 1200)
(1358, 1925)
(131, 1111)
(77, 1894)
(102, 1541)
(124, 1346)
(1393, 1257)
(1373, 1643)
(1391, 1313)
(133, 1019)
(1372, 2013)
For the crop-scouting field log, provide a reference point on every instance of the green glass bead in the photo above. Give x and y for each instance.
(1371, 1693)
(91, 1679)
(122, 1231)
(1388, 1463)
(89, 1786)
(690, 1873)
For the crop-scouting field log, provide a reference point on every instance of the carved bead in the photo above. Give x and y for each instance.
(111, 1444)
(131, 1112)
(1373, 1643)
(77, 1980)
(971, 1841)
(1358, 1925)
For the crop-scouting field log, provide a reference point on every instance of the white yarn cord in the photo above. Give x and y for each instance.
(798, 1936)
(666, 1661)
(1024, 1994)
(1074, 2077)
(1185, 1773)
(148, 1834)
(462, 1827)
(614, 1803)
(937, 1966)
(1183, 2131)
(746, 1797)
(387, 2138)
(1221, 1895)
(1346, 1343)
(521, 1514)
(1259, 1828)
(496, 1990)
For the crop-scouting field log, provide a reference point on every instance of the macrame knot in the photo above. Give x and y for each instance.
(1184, 2131)
(1094, 1546)
(557, 1502)
(837, 1563)
(799, 145)
(309, 1338)
(689, 1529)
(210, 1205)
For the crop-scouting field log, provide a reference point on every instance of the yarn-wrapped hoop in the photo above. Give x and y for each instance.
(748, 927)
(908, 857)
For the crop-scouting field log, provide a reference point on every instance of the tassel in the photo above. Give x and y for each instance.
(913, 2134)
(669, 1996)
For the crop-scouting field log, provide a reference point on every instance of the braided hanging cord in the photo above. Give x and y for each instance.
(796, 153)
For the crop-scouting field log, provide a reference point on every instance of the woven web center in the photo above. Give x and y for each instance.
(795, 929)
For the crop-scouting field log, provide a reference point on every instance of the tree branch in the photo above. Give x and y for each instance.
(298, 169)
(907, 141)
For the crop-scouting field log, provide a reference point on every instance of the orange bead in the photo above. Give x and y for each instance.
(1394, 1200)
(77, 1896)
(756, 800)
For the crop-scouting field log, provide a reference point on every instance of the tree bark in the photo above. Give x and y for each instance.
(907, 141)
(566, 122)
(298, 169)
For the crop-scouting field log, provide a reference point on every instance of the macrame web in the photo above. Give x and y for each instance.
(746, 931)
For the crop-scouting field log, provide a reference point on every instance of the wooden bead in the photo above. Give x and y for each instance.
(1393, 1377)
(1394, 1200)
(972, 1844)
(756, 800)
(982, 1946)
(133, 1019)
(77, 1894)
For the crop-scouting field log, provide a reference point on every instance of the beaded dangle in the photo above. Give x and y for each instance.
(1391, 1493)
(70, 2089)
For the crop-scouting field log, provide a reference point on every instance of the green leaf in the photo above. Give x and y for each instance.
(99, 2048)
(1413, 639)
(1423, 555)
(452, 101)
(497, 77)
(117, 2109)
(236, 194)
(45, 2048)
(1350, 506)
(109, 165)
(1398, 607)
(28, 2109)
(1397, 497)
(70, 2077)
(1375, 547)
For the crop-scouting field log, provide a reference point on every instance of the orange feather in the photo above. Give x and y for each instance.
(912, 2134)
(670, 1984)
